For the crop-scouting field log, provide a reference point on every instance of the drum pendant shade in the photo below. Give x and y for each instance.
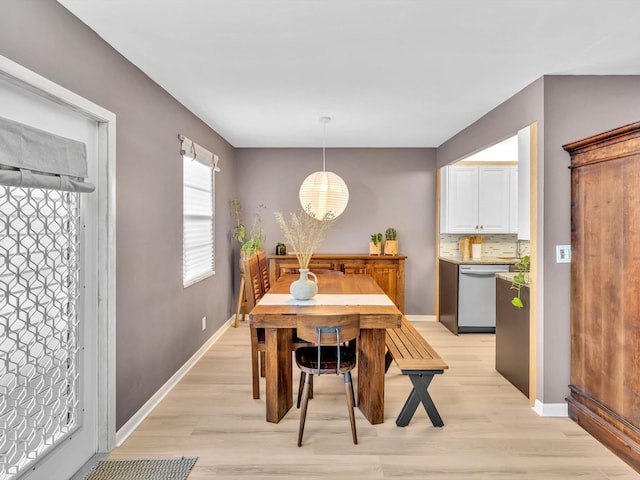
(324, 192)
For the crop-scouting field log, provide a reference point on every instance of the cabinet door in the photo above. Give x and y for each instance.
(462, 199)
(493, 199)
(386, 276)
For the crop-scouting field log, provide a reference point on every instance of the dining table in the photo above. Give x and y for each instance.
(277, 312)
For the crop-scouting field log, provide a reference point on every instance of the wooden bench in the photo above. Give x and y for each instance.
(417, 359)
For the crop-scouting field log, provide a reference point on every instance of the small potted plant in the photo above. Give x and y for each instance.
(390, 242)
(520, 280)
(375, 245)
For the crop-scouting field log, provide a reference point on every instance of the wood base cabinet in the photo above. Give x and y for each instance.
(386, 270)
(512, 336)
(448, 297)
(605, 289)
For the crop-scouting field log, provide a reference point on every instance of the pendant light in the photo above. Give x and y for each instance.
(324, 192)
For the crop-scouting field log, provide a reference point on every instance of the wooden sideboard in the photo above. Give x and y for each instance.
(387, 270)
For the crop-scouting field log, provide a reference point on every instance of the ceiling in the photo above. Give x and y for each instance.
(390, 73)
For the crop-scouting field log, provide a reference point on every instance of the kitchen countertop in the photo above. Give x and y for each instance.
(508, 276)
(479, 261)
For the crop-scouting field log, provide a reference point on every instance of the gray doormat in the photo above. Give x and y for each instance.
(177, 468)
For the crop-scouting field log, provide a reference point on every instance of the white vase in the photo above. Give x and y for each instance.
(304, 288)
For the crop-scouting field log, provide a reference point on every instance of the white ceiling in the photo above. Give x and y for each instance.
(391, 73)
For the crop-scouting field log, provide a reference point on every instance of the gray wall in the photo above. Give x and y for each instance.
(575, 107)
(158, 322)
(392, 187)
(500, 123)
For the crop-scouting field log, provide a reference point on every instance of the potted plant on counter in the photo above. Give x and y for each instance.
(520, 280)
(375, 245)
(390, 242)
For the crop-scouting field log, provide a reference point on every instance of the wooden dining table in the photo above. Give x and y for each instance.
(277, 313)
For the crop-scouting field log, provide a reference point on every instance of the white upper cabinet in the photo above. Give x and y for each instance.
(476, 199)
(462, 200)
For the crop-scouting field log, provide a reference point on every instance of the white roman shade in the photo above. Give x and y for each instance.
(198, 189)
(191, 149)
(33, 158)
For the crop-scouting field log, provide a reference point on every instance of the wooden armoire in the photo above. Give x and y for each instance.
(605, 289)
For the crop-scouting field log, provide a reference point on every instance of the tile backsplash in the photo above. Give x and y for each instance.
(498, 245)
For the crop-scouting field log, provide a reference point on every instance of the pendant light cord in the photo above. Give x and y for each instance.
(324, 141)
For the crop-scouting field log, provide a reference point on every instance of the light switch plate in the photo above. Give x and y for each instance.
(563, 253)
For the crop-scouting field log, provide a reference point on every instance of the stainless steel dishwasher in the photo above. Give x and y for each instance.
(477, 297)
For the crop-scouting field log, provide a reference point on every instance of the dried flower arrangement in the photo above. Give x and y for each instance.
(304, 232)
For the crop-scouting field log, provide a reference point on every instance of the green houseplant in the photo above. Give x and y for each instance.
(239, 231)
(255, 238)
(390, 242)
(375, 245)
(520, 280)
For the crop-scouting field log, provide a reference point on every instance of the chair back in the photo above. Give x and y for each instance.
(264, 271)
(321, 329)
(252, 281)
(329, 331)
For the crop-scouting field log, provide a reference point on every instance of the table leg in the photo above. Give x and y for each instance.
(371, 349)
(279, 394)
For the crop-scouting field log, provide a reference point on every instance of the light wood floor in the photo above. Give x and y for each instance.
(490, 432)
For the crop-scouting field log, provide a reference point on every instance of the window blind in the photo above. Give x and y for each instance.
(198, 218)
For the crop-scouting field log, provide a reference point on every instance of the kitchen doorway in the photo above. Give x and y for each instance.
(519, 154)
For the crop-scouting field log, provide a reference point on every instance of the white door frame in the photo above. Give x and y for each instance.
(106, 188)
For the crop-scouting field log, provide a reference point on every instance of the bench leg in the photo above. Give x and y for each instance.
(419, 394)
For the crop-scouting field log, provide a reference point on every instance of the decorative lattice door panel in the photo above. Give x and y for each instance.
(39, 327)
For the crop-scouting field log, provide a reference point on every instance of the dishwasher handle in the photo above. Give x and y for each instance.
(482, 271)
(481, 274)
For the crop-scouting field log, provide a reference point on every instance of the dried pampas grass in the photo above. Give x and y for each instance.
(304, 232)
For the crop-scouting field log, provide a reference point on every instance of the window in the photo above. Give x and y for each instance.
(198, 216)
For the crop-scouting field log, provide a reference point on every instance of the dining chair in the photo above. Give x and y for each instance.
(253, 286)
(328, 355)
(264, 271)
(256, 280)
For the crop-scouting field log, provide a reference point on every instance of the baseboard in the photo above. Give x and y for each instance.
(421, 318)
(128, 428)
(551, 409)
